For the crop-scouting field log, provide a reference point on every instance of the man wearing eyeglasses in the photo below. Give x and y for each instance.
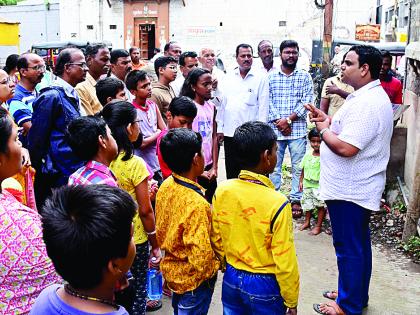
(53, 110)
(31, 68)
(289, 88)
(188, 61)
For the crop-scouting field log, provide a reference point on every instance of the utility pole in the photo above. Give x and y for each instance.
(327, 36)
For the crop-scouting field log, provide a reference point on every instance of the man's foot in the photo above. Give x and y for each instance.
(330, 308)
(332, 294)
(315, 231)
(304, 226)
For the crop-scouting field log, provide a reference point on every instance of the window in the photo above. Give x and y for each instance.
(113, 27)
(89, 27)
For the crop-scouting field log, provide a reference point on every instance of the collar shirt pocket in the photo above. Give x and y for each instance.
(250, 98)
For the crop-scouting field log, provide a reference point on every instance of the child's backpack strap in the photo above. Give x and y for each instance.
(277, 214)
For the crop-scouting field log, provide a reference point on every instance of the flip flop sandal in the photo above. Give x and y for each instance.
(153, 305)
(336, 308)
(327, 294)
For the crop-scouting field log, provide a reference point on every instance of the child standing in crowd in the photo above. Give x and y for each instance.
(132, 175)
(183, 226)
(166, 69)
(309, 184)
(110, 88)
(151, 122)
(91, 140)
(180, 114)
(198, 86)
(88, 234)
(252, 231)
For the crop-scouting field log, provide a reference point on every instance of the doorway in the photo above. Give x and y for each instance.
(146, 40)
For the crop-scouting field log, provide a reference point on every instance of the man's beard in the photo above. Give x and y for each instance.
(288, 65)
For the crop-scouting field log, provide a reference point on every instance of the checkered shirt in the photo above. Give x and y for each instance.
(93, 173)
(288, 94)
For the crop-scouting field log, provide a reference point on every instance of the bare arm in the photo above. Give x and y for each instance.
(325, 105)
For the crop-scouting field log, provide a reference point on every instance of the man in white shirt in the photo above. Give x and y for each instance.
(188, 61)
(208, 61)
(265, 52)
(354, 156)
(244, 92)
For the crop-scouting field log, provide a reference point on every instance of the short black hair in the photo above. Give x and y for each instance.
(108, 87)
(371, 56)
(192, 79)
(289, 43)
(250, 140)
(133, 77)
(82, 135)
(178, 148)
(118, 53)
(64, 57)
(182, 106)
(118, 115)
(11, 63)
(313, 133)
(84, 227)
(162, 62)
(186, 54)
(132, 49)
(22, 62)
(6, 127)
(386, 54)
(243, 46)
(264, 41)
(92, 50)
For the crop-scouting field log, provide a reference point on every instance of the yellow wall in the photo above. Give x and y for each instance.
(9, 34)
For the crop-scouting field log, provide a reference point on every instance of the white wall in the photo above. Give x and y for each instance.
(37, 23)
(76, 15)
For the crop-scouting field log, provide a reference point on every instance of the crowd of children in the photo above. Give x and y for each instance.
(147, 197)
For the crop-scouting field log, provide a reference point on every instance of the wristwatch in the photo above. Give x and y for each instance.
(323, 131)
(289, 121)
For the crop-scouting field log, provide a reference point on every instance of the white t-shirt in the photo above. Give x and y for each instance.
(364, 121)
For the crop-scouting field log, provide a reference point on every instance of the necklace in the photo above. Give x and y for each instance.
(71, 291)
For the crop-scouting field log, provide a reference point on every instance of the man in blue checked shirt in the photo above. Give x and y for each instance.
(289, 90)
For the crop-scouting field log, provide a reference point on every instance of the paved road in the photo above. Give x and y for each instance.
(395, 284)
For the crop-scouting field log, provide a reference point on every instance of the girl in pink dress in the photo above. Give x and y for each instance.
(198, 86)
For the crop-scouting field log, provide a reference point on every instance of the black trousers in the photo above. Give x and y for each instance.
(232, 167)
(209, 185)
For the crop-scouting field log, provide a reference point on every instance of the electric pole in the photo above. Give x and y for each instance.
(327, 36)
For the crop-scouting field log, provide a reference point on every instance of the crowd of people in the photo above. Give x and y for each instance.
(111, 169)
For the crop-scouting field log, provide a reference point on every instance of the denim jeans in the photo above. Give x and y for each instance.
(195, 302)
(251, 293)
(297, 149)
(351, 239)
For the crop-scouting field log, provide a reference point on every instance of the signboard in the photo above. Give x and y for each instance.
(368, 32)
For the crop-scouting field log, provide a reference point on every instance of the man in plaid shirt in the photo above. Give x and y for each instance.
(289, 89)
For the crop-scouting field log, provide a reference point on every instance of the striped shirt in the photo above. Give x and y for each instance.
(93, 173)
(287, 95)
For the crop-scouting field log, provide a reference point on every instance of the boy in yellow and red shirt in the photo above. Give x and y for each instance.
(252, 231)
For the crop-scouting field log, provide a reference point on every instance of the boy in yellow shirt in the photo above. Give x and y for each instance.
(183, 225)
(252, 231)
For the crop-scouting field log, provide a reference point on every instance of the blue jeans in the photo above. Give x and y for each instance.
(351, 239)
(297, 149)
(195, 302)
(246, 293)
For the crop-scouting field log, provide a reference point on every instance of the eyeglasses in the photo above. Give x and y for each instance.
(172, 67)
(291, 53)
(7, 81)
(38, 68)
(137, 121)
(79, 64)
